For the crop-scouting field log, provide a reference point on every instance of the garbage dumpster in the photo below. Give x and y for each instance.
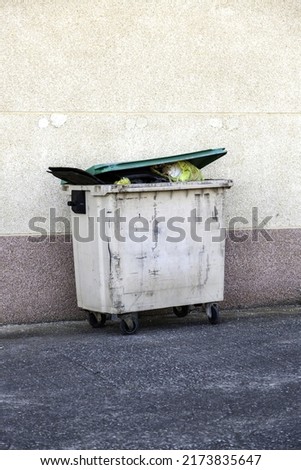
(148, 246)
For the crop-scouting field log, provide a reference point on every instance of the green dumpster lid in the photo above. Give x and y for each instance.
(199, 159)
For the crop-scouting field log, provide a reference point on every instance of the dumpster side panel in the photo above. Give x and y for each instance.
(90, 259)
(152, 249)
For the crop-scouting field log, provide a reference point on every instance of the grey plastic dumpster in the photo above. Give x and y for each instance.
(148, 246)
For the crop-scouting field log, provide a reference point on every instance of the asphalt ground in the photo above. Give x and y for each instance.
(179, 383)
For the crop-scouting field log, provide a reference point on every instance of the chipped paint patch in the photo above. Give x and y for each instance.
(58, 120)
(43, 123)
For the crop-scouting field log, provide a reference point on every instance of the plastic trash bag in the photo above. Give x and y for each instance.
(179, 171)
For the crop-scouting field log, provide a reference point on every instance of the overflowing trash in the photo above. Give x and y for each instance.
(177, 168)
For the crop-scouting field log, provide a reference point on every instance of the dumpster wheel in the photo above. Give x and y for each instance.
(97, 320)
(212, 311)
(181, 311)
(129, 326)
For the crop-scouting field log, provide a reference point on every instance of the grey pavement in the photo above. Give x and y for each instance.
(179, 383)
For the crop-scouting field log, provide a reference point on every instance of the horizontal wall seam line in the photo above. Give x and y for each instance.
(134, 113)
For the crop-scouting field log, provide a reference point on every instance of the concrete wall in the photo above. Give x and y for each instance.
(110, 80)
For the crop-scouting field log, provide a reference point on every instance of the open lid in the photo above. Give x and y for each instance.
(198, 159)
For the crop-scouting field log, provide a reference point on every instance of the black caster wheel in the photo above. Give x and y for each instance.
(213, 315)
(129, 326)
(181, 311)
(97, 320)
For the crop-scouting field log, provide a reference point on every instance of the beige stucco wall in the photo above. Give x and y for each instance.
(144, 78)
